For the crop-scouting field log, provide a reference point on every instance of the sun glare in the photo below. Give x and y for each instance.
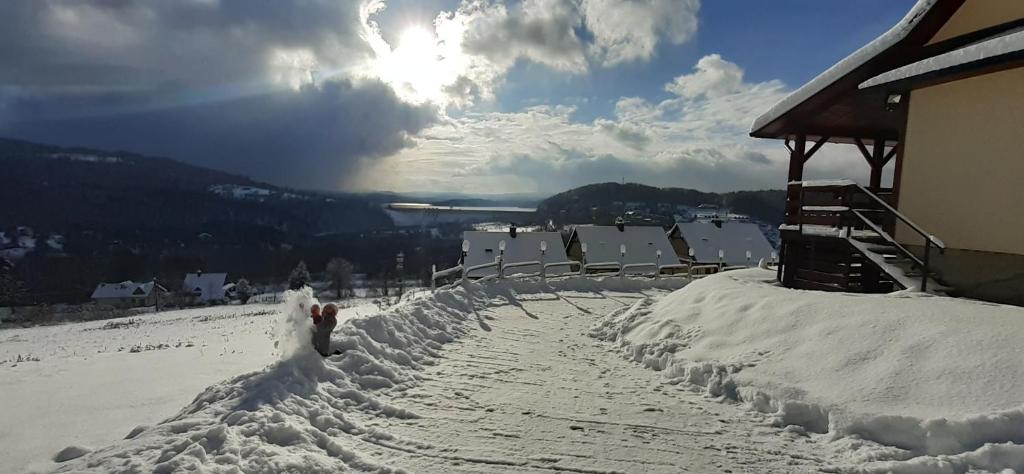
(417, 67)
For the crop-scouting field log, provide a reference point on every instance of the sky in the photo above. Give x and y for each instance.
(470, 96)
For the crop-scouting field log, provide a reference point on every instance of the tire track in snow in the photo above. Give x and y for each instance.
(549, 398)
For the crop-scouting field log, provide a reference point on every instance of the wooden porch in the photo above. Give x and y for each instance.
(839, 236)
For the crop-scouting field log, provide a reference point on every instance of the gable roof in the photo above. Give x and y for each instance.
(735, 239)
(1002, 50)
(642, 244)
(524, 247)
(210, 286)
(831, 105)
(125, 289)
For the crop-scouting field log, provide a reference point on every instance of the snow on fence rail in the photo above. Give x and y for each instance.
(575, 269)
(532, 263)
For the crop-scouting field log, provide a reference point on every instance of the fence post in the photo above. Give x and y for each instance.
(657, 264)
(433, 282)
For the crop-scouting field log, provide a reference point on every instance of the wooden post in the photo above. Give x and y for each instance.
(877, 163)
(796, 158)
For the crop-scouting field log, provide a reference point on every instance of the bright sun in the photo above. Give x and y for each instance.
(417, 66)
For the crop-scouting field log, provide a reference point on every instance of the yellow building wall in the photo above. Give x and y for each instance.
(963, 166)
(974, 15)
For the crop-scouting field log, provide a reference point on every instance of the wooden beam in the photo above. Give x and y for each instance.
(788, 146)
(863, 150)
(877, 162)
(814, 149)
(889, 156)
(796, 159)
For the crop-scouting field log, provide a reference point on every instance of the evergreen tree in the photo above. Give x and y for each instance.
(299, 277)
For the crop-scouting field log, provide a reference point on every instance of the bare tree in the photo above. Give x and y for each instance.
(339, 273)
(243, 290)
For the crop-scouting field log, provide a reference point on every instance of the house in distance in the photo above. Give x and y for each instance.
(128, 294)
(605, 242)
(520, 247)
(205, 287)
(734, 241)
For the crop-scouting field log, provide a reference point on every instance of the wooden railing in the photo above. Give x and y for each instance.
(848, 207)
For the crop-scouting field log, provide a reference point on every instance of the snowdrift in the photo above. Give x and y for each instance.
(904, 382)
(297, 415)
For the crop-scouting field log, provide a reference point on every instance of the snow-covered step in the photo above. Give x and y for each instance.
(900, 275)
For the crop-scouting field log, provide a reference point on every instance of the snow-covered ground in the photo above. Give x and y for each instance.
(90, 383)
(491, 379)
(545, 377)
(904, 382)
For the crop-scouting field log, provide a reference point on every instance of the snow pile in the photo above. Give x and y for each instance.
(904, 382)
(295, 326)
(288, 417)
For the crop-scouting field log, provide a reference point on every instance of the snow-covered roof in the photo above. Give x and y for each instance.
(209, 286)
(1000, 45)
(125, 289)
(642, 244)
(734, 239)
(842, 68)
(525, 247)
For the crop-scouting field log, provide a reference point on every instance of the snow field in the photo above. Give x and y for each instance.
(903, 382)
(87, 384)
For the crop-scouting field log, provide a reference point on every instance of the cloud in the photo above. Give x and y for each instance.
(626, 31)
(564, 35)
(542, 31)
(698, 141)
(714, 77)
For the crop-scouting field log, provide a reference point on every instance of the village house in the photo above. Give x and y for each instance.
(604, 244)
(519, 247)
(128, 294)
(205, 287)
(938, 102)
(731, 243)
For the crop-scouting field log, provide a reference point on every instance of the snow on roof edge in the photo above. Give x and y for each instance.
(989, 48)
(846, 65)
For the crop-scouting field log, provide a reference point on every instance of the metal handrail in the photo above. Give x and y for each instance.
(901, 217)
(567, 263)
(885, 236)
(616, 266)
(698, 271)
(623, 268)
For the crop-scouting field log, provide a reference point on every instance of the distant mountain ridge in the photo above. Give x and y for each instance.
(601, 203)
(55, 189)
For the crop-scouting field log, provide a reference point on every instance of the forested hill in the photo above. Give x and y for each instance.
(597, 202)
(55, 189)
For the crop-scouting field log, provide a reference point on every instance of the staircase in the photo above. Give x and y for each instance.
(838, 236)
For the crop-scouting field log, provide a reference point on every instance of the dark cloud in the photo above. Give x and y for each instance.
(220, 83)
(94, 45)
(543, 31)
(316, 137)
